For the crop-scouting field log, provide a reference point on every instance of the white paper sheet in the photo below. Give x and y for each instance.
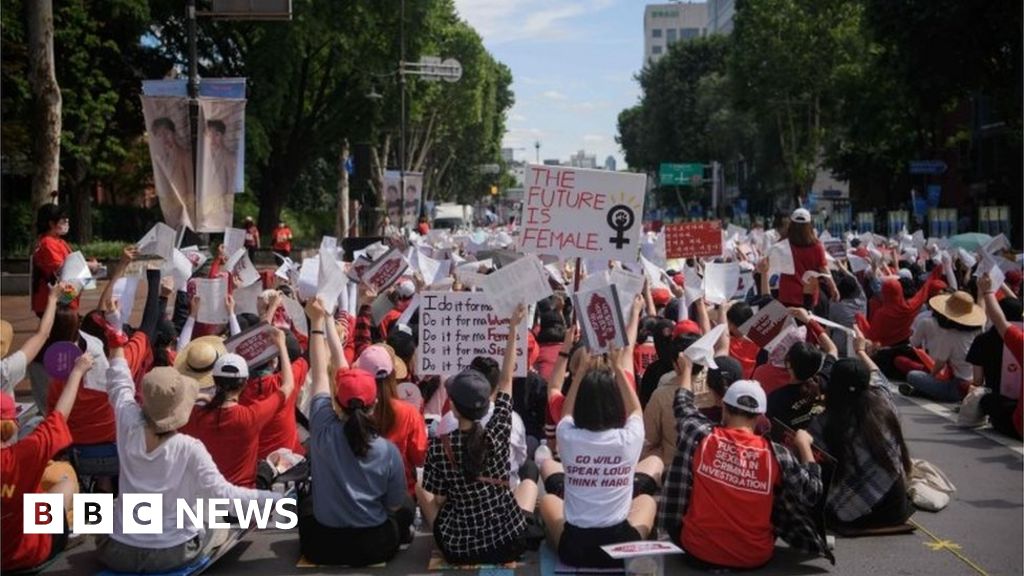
(234, 238)
(159, 241)
(521, 282)
(211, 292)
(720, 281)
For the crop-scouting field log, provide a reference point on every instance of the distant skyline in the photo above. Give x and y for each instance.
(573, 64)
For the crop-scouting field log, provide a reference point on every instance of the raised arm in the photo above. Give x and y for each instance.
(67, 396)
(562, 362)
(508, 363)
(36, 341)
(317, 347)
(336, 335)
(617, 357)
(287, 378)
(992, 309)
(128, 254)
(860, 346)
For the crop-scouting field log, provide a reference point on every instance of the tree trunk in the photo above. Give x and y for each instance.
(46, 118)
(342, 226)
(82, 211)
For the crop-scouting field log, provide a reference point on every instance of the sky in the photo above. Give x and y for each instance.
(573, 64)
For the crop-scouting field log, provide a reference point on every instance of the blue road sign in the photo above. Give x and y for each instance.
(928, 167)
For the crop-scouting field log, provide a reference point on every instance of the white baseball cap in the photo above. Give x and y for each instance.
(746, 395)
(406, 289)
(801, 216)
(231, 366)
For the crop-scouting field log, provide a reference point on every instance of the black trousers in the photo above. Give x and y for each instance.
(352, 546)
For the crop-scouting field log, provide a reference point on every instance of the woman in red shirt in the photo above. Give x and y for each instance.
(282, 237)
(223, 417)
(51, 250)
(808, 256)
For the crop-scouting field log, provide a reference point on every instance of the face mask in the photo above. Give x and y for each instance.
(62, 228)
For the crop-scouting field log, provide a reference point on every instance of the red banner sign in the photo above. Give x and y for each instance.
(694, 239)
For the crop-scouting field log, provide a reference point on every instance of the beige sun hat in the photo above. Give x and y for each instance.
(959, 307)
(167, 398)
(6, 337)
(197, 359)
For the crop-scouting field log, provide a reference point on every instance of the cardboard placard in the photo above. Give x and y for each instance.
(256, 344)
(767, 324)
(600, 316)
(573, 212)
(835, 248)
(385, 270)
(694, 239)
(455, 327)
(521, 282)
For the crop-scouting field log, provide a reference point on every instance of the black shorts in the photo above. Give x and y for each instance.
(581, 547)
(509, 552)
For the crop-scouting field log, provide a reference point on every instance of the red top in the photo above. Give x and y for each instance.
(729, 518)
(394, 314)
(282, 238)
(92, 419)
(791, 288)
(232, 435)
(1014, 340)
(47, 259)
(891, 321)
(409, 434)
(21, 468)
(643, 356)
(771, 378)
(546, 358)
(280, 431)
(745, 352)
(422, 228)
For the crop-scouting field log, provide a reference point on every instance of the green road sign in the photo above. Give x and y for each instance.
(681, 174)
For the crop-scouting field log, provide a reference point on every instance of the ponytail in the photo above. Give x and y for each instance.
(225, 386)
(475, 447)
(359, 427)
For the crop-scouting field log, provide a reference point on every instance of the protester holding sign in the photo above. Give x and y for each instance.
(810, 368)
(797, 289)
(730, 492)
(601, 493)
(49, 254)
(223, 417)
(358, 489)
(465, 496)
(1012, 335)
(996, 369)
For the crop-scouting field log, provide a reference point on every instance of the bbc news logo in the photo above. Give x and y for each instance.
(144, 513)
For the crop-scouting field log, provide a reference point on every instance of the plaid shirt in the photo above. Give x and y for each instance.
(793, 503)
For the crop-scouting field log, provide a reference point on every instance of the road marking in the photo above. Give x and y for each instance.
(945, 413)
(937, 544)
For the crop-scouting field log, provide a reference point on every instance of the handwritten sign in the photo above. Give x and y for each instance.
(571, 212)
(455, 327)
(694, 239)
(257, 344)
(767, 324)
(600, 316)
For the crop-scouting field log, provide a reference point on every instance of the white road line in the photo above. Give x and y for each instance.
(944, 411)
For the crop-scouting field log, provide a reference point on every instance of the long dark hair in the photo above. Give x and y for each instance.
(856, 406)
(384, 413)
(475, 447)
(599, 404)
(225, 386)
(360, 428)
(801, 234)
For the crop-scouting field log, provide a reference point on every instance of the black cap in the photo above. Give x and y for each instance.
(470, 392)
(729, 370)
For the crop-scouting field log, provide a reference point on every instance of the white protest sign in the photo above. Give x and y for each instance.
(96, 377)
(353, 299)
(654, 274)
(455, 327)
(331, 281)
(243, 268)
(430, 269)
(406, 316)
(159, 241)
(178, 267)
(988, 266)
(124, 292)
(572, 212)
(1010, 383)
(997, 244)
(256, 344)
(76, 271)
(296, 314)
(720, 281)
(703, 350)
(246, 297)
(309, 278)
(600, 316)
(211, 293)
(629, 285)
(858, 264)
(329, 244)
(385, 270)
(522, 282)
(780, 259)
(196, 256)
(767, 324)
(234, 238)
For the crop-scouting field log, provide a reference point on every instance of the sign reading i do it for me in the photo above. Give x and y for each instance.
(456, 327)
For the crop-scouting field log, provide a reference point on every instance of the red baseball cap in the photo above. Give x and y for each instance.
(661, 296)
(8, 409)
(684, 327)
(679, 279)
(355, 384)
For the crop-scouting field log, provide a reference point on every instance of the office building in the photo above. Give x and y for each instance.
(720, 16)
(666, 24)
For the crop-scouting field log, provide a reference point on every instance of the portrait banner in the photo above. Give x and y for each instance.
(170, 151)
(221, 126)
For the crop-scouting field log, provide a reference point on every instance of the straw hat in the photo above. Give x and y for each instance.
(959, 307)
(196, 361)
(6, 337)
(167, 398)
